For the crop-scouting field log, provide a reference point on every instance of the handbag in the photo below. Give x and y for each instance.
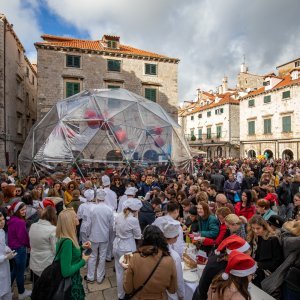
(236, 197)
(52, 285)
(134, 292)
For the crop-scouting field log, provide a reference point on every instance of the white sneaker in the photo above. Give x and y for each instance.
(25, 295)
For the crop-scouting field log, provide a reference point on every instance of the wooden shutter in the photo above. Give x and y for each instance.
(267, 99)
(251, 103)
(286, 124)
(200, 134)
(219, 130)
(251, 127)
(286, 94)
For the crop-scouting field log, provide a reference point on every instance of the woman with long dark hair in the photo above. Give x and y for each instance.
(18, 240)
(153, 252)
(245, 207)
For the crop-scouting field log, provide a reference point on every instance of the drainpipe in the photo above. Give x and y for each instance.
(4, 90)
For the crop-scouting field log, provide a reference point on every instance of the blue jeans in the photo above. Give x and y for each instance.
(18, 269)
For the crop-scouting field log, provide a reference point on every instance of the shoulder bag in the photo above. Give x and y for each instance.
(134, 292)
(52, 285)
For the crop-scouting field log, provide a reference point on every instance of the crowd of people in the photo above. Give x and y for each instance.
(243, 213)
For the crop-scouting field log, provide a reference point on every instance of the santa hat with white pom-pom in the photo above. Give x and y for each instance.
(240, 265)
(233, 242)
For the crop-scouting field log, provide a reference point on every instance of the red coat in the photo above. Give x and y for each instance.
(247, 212)
(219, 238)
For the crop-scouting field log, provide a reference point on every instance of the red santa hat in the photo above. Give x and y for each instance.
(240, 265)
(15, 207)
(46, 202)
(233, 242)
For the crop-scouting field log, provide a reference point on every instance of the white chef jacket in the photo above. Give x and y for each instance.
(100, 223)
(4, 266)
(111, 198)
(180, 282)
(127, 231)
(179, 245)
(121, 203)
(83, 214)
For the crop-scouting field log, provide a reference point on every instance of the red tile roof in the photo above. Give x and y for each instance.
(97, 45)
(285, 82)
(225, 99)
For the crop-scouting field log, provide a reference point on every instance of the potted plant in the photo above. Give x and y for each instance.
(193, 138)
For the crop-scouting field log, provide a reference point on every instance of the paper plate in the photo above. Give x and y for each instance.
(189, 276)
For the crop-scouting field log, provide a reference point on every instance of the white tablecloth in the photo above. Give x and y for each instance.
(256, 293)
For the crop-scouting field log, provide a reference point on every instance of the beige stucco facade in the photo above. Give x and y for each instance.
(18, 94)
(93, 74)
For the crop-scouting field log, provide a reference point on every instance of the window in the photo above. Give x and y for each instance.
(208, 133)
(114, 65)
(199, 116)
(192, 118)
(27, 72)
(267, 99)
(286, 124)
(73, 61)
(297, 63)
(19, 124)
(200, 134)
(150, 94)
(151, 69)
(192, 132)
(251, 127)
(72, 88)
(113, 86)
(219, 111)
(32, 81)
(267, 126)
(219, 131)
(286, 94)
(112, 44)
(251, 103)
(208, 113)
(266, 83)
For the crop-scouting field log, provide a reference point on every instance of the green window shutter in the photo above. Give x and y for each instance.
(72, 88)
(251, 127)
(208, 133)
(219, 131)
(251, 103)
(192, 132)
(209, 113)
(192, 117)
(113, 86)
(286, 124)
(216, 112)
(73, 61)
(286, 94)
(200, 116)
(150, 94)
(221, 110)
(200, 134)
(267, 99)
(267, 126)
(151, 69)
(114, 65)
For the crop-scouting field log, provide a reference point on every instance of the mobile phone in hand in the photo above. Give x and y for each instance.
(88, 251)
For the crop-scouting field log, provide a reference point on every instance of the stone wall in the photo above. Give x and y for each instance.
(93, 73)
(2, 115)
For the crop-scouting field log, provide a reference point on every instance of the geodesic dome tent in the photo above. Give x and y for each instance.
(104, 126)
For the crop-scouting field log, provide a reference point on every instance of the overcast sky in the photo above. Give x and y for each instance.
(210, 37)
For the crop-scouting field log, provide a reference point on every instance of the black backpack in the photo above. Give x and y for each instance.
(52, 285)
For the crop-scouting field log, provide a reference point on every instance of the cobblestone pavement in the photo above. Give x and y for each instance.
(107, 290)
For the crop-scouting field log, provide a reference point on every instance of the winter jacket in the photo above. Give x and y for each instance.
(146, 215)
(209, 227)
(17, 233)
(247, 212)
(284, 193)
(231, 185)
(223, 233)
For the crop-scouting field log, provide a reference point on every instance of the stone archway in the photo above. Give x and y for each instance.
(287, 154)
(209, 152)
(219, 151)
(251, 154)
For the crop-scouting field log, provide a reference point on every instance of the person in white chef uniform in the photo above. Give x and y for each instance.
(5, 255)
(83, 214)
(100, 226)
(170, 230)
(172, 214)
(127, 231)
(111, 200)
(129, 193)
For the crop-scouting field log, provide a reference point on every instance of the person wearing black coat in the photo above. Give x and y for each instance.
(249, 181)
(147, 212)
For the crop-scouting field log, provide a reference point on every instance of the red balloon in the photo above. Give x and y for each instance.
(121, 136)
(157, 130)
(131, 145)
(90, 115)
(159, 141)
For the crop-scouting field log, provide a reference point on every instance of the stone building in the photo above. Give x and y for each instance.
(18, 94)
(211, 124)
(247, 81)
(270, 117)
(67, 65)
(285, 68)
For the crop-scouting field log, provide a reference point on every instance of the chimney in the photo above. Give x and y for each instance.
(199, 94)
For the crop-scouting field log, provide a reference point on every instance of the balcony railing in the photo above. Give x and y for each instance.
(207, 138)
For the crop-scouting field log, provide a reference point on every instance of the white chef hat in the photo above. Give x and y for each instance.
(170, 229)
(131, 191)
(89, 195)
(133, 203)
(100, 195)
(105, 180)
